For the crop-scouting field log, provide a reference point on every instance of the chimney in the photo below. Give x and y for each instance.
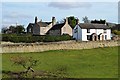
(53, 21)
(77, 21)
(35, 19)
(66, 21)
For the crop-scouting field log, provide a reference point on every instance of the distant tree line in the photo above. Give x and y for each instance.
(98, 21)
(14, 29)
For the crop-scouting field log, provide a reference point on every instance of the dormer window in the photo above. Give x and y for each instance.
(105, 31)
(88, 30)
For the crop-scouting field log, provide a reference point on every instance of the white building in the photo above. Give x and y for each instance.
(91, 32)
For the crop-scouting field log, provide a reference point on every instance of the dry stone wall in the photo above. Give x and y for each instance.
(38, 47)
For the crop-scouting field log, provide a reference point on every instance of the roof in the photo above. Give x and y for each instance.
(57, 26)
(43, 24)
(30, 25)
(93, 26)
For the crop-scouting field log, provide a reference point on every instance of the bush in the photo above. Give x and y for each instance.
(27, 38)
(116, 32)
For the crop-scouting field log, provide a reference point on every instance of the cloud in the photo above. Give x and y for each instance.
(14, 15)
(70, 5)
(11, 18)
(7, 22)
(59, 0)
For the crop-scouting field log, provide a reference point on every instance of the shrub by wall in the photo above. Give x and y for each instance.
(27, 38)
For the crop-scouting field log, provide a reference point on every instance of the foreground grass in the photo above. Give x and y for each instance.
(92, 63)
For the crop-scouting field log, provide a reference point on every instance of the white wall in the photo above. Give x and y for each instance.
(108, 34)
(44, 30)
(77, 33)
(82, 33)
(66, 29)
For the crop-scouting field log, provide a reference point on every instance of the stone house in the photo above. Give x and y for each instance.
(91, 32)
(40, 28)
(60, 29)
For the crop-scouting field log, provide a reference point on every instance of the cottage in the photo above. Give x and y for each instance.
(60, 29)
(40, 28)
(91, 32)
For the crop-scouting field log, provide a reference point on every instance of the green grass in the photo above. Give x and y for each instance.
(91, 63)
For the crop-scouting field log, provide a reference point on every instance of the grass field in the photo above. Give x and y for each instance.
(91, 63)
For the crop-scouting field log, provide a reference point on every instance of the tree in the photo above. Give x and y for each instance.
(86, 20)
(20, 29)
(72, 21)
(4, 30)
(98, 21)
(12, 29)
(26, 63)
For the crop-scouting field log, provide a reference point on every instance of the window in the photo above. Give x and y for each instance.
(88, 37)
(88, 30)
(75, 30)
(105, 31)
(105, 37)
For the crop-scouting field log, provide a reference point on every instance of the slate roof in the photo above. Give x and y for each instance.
(30, 25)
(93, 26)
(57, 26)
(43, 24)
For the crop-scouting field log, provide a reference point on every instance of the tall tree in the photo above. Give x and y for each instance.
(20, 29)
(72, 21)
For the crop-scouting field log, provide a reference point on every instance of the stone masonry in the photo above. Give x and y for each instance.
(38, 47)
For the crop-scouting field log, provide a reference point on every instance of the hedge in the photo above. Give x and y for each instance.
(26, 38)
(116, 32)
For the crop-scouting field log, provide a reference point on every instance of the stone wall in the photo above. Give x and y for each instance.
(38, 47)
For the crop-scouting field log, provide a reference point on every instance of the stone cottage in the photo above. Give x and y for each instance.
(60, 29)
(40, 28)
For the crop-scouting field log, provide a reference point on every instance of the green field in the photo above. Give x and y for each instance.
(90, 63)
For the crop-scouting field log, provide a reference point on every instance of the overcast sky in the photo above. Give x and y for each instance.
(24, 12)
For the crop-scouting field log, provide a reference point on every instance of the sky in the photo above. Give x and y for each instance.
(24, 12)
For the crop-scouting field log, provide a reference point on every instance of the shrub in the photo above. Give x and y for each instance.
(116, 32)
(27, 38)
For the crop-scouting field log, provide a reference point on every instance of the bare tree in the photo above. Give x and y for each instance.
(26, 63)
(86, 20)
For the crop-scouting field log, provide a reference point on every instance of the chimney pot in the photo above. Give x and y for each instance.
(66, 21)
(77, 21)
(36, 19)
(53, 21)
